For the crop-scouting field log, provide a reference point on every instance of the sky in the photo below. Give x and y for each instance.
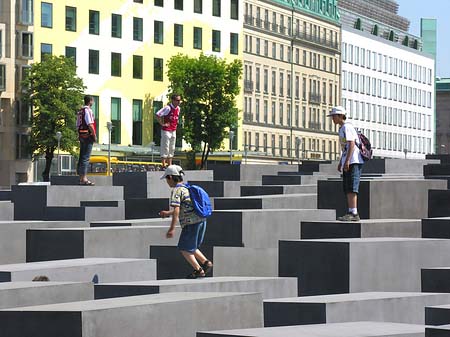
(414, 10)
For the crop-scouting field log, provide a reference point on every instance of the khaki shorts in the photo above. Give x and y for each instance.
(168, 139)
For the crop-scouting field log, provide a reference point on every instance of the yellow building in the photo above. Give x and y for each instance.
(291, 78)
(121, 49)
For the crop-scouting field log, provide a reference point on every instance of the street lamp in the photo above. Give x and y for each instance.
(405, 151)
(58, 138)
(231, 136)
(152, 144)
(109, 126)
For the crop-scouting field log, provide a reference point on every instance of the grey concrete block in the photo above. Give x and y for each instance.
(242, 261)
(132, 222)
(74, 195)
(349, 329)
(247, 172)
(259, 228)
(438, 331)
(6, 210)
(73, 243)
(438, 314)
(82, 270)
(436, 280)
(163, 315)
(360, 265)
(13, 237)
(282, 179)
(269, 287)
(22, 294)
(436, 228)
(292, 201)
(381, 199)
(438, 200)
(145, 208)
(280, 189)
(106, 213)
(363, 229)
(75, 180)
(398, 307)
(223, 188)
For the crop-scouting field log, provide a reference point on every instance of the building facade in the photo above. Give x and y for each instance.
(387, 81)
(291, 79)
(121, 50)
(443, 115)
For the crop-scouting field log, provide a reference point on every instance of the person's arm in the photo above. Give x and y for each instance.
(160, 115)
(92, 132)
(175, 216)
(351, 148)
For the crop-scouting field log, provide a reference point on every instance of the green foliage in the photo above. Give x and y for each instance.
(208, 86)
(56, 94)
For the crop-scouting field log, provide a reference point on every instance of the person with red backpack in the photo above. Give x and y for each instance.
(168, 119)
(87, 137)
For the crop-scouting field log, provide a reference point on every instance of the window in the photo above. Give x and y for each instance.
(137, 122)
(178, 35)
(71, 52)
(216, 8)
(27, 44)
(2, 77)
(234, 43)
(157, 69)
(178, 4)
(138, 28)
(137, 66)
(216, 40)
(159, 3)
(116, 119)
(46, 49)
(116, 64)
(139, 1)
(94, 56)
(22, 141)
(116, 25)
(234, 9)
(197, 38)
(27, 12)
(158, 32)
(46, 15)
(198, 6)
(71, 19)
(94, 22)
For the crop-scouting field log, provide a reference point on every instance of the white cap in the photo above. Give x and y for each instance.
(337, 110)
(173, 170)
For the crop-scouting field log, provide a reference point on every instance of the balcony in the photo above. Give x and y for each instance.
(249, 20)
(259, 23)
(314, 98)
(248, 86)
(314, 125)
(248, 117)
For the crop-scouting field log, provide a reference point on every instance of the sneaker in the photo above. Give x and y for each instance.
(207, 266)
(349, 217)
(196, 274)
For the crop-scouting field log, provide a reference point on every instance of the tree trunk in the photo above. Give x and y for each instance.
(48, 164)
(203, 157)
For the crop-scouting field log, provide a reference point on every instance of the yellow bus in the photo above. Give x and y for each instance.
(98, 166)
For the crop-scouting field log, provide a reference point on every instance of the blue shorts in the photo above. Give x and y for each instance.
(191, 237)
(351, 178)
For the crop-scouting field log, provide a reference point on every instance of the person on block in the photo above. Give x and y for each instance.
(351, 162)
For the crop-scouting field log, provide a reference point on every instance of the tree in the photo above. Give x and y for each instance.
(56, 94)
(208, 86)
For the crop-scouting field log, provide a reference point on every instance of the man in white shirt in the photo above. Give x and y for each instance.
(87, 136)
(351, 162)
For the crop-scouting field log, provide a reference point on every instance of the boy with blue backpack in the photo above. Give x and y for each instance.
(190, 207)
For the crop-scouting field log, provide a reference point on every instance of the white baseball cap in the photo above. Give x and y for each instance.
(337, 110)
(173, 170)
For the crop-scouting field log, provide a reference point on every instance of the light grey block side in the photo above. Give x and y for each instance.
(296, 189)
(313, 179)
(13, 237)
(348, 329)
(410, 228)
(407, 165)
(393, 264)
(84, 270)
(233, 188)
(60, 195)
(241, 261)
(139, 222)
(404, 308)
(401, 199)
(263, 229)
(303, 201)
(21, 294)
(157, 188)
(101, 180)
(6, 210)
(126, 242)
(106, 213)
(254, 172)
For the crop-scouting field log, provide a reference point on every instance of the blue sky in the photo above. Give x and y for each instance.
(437, 9)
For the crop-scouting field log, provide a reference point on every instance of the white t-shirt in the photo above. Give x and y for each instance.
(348, 133)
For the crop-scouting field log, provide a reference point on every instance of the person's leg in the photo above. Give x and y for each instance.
(352, 200)
(190, 258)
(187, 246)
(172, 141)
(85, 153)
(164, 147)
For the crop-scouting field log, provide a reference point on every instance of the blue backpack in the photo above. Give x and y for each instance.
(200, 200)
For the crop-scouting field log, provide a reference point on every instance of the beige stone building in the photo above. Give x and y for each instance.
(16, 19)
(287, 95)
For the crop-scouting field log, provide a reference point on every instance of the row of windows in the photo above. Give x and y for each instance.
(303, 147)
(311, 59)
(386, 64)
(387, 115)
(390, 141)
(283, 24)
(310, 118)
(385, 89)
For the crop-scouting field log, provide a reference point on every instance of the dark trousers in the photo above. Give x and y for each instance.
(85, 155)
